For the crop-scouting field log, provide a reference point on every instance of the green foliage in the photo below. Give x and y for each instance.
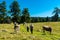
(56, 14)
(47, 19)
(55, 17)
(25, 15)
(35, 19)
(7, 19)
(15, 14)
(15, 10)
(2, 11)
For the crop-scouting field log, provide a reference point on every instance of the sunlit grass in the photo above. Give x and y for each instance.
(8, 34)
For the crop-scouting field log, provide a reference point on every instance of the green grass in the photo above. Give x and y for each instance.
(24, 35)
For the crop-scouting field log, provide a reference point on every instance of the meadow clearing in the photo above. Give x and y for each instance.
(7, 32)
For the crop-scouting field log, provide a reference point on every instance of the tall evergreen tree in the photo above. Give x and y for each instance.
(2, 11)
(25, 15)
(15, 11)
(56, 14)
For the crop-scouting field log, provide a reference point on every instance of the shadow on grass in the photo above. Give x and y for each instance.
(12, 33)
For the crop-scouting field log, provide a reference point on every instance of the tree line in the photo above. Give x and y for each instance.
(15, 14)
(54, 18)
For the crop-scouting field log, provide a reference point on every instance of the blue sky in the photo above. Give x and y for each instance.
(37, 8)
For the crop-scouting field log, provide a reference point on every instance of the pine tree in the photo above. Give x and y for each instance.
(2, 11)
(15, 11)
(56, 14)
(25, 15)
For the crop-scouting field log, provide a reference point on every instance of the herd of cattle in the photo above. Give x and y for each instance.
(44, 28)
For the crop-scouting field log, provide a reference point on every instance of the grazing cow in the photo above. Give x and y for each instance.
(47, 28)
(16, 27)
(31, 29)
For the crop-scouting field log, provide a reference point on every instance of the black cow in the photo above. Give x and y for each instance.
(47, 28)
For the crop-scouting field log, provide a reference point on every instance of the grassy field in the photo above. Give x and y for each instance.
(7, 32)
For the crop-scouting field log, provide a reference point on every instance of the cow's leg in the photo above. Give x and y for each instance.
(43, 31)
(27, 29)
(31, 30)
(50, 30)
